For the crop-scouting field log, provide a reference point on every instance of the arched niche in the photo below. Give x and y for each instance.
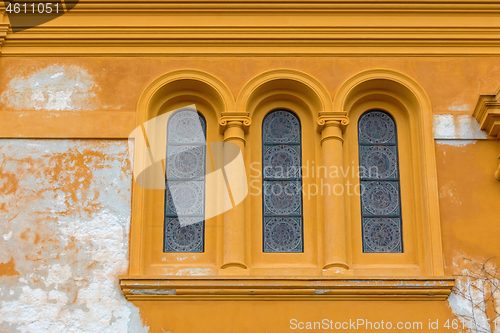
(306, 97)
(405, 100)
(169, 92)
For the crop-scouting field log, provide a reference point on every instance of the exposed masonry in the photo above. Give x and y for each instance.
(64, 224)
(54, 88)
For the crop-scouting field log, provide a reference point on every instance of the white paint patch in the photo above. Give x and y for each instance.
(453, 126)
(54, 88)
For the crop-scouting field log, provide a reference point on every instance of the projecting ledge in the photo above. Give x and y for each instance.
(141, 288)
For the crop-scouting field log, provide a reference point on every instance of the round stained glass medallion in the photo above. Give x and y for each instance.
(282, 235)
(281, 162)
(186, 127)
(281, 127)
(380, 198)
(185, 198)
(382, 235)
(183, 239)
(377, 127)
(186, 162)
(378, 162)
(282, 198)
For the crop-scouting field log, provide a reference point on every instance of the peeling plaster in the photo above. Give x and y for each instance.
(65, 210)
(53, 88)
(453, 126)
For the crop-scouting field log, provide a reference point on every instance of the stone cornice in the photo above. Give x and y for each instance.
(292, 28)
(283, 288)
(4, 26)
(193, 6)
(487, 114)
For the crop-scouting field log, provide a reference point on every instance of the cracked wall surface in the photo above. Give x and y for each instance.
(65, 216)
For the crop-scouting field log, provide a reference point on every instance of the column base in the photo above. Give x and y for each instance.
(234, 271)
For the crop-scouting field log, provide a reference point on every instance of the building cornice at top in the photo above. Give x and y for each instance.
(263, 28)
(445, 6)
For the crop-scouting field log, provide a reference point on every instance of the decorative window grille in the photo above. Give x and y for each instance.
(380, 186)
(282, 183)
(184, 224)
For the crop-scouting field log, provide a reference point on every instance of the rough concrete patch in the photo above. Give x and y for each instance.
(53, 88)
(66, 216)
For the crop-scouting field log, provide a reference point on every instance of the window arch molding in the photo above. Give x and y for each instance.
(175, 90)
(406, 101)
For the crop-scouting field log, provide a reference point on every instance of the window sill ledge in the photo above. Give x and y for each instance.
(162, 288)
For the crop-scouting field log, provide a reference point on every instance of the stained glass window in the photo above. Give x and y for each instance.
(282, 183)
(379, 175)
(184, 226)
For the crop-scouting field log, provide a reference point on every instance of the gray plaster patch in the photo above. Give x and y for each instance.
(65, 219)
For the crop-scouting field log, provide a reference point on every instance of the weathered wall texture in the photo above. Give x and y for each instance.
(65, 205)
(453, 84)
(64, 225)
(469, 196)
(51, 88)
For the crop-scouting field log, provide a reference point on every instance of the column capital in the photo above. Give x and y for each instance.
(239, 119)
(327, 119)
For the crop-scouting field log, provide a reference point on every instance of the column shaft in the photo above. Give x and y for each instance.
(333, 193)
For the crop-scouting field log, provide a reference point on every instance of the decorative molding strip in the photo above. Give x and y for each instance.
(140, 288)
(158, 29)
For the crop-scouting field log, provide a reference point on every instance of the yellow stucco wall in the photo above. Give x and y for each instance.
(95, 98)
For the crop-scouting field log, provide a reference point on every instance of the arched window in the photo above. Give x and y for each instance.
(184, 229)
(379, 173)
(282, 183)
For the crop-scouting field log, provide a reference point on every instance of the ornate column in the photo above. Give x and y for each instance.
(234, 125)
(332, 125)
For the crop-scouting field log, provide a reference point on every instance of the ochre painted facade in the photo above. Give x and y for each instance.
(81, 245)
